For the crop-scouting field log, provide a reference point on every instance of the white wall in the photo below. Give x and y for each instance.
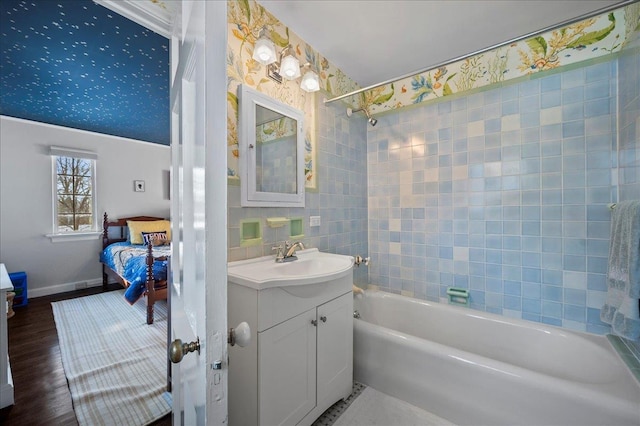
(26, 199)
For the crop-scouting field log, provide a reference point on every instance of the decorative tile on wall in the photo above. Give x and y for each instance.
(504, 193)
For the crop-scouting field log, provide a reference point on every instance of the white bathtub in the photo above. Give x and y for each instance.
(474, 368)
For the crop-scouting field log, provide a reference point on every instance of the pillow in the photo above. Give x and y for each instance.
(137, 227)
(156, 238)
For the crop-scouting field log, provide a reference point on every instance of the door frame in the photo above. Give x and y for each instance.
(156, 17)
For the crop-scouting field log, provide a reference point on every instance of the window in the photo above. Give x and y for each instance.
(74, 198)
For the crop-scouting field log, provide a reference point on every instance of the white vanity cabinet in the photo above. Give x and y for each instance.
(302, 360)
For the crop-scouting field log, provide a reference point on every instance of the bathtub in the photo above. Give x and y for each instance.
(475, 368)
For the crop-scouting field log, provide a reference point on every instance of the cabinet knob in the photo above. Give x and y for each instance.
(323, 318)
(314, 322)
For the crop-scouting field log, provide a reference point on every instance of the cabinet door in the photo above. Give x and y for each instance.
(287, 370)
(335, 349)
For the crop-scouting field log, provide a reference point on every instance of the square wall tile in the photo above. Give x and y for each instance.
(505, 192)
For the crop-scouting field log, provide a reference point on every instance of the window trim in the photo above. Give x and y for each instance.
(55, 235)
(73, 236)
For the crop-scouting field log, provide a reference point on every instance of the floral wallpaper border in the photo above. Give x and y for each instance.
(588, 39)
(275, 130)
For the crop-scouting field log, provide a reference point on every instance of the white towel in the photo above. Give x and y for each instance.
(621, 308)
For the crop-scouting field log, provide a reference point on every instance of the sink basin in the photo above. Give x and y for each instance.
(311, 267)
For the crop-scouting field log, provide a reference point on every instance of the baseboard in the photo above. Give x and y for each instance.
(62, 288)
(6, 394)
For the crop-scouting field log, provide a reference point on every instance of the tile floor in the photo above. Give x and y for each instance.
(368, 407)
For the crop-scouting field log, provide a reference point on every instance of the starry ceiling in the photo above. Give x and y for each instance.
(77, 64)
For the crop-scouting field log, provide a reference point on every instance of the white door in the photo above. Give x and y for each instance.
(198, 211)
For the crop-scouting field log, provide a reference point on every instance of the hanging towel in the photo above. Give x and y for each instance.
(623, 276)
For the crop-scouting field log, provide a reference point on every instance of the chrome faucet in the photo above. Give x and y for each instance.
(290, 249)
(286, 252)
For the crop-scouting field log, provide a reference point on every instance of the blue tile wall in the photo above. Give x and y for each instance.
(629, 122)
(340, 201)
(629, 135)
(504, 193)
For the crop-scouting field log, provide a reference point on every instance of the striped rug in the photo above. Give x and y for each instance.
(116, 364)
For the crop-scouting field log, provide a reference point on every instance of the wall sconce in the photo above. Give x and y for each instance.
(289, 65)
(284, 65)
(310, 80)
(264, 51)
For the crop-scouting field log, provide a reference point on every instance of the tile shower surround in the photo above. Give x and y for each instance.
(629, 124)
(629, 139)
(502, 192)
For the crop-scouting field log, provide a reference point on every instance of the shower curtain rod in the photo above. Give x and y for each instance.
(487, 49)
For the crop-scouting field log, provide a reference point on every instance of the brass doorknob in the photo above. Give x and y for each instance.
(177, 349)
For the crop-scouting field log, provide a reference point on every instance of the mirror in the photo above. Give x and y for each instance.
(271, 149)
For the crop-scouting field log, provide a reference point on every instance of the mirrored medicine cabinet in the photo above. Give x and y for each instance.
(271, 149)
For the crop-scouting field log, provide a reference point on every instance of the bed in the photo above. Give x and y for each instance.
(136, 252)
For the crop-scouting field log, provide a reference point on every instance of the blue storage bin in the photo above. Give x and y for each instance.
(19, 281)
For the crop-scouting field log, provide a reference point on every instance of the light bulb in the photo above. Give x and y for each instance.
(310, 82)
(290, 68)
(264, 51)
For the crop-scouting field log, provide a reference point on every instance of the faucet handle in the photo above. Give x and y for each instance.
(279, 252)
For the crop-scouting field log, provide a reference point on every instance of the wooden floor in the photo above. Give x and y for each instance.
(41, 393)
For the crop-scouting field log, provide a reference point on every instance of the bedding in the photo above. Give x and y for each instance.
(156, 238)
(136, 228)
(129, 261)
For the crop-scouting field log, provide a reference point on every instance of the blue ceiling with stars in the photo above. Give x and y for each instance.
(77, 64)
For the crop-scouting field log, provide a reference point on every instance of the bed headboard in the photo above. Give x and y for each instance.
(122, 224)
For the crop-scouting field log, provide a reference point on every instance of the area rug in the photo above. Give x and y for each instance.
(116, 364)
